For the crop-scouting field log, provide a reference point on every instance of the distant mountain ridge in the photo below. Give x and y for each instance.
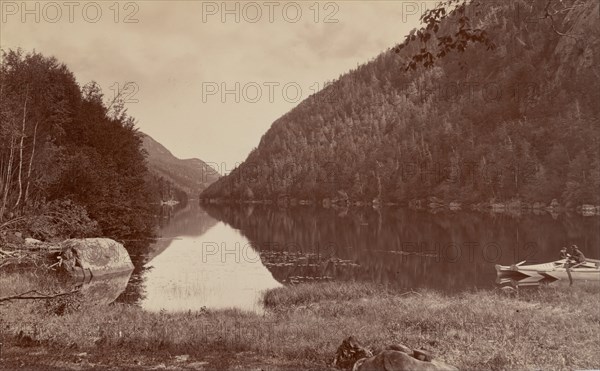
(190, 175)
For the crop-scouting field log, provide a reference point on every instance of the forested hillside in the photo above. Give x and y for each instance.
(71, 165)
(191, 176)
(519, 121)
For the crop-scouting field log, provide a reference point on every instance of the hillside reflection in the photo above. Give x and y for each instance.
(400, 247)
(198, 262)
(174, 222)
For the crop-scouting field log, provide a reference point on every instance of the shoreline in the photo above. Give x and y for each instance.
(304, 324)
(512, 207)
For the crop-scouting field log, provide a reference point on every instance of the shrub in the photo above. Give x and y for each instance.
(60, 219)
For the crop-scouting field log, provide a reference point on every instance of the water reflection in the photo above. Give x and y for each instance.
(174, 221)
(399, 247)
(198, 262)
(71, 294)
(219, 270)
(105, 290)
(225, 256)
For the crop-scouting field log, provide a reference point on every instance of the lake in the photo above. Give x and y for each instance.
(226, 256)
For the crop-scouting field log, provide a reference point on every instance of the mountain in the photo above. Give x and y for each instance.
(517, 122)
(190, 175)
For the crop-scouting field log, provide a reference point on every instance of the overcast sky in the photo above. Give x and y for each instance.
(180, 55)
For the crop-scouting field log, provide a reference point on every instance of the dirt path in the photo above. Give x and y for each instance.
(41, 358)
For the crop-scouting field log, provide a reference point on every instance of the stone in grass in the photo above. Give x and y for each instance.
(352, 355)
(182, 358)
(197, 365)
(32, 241)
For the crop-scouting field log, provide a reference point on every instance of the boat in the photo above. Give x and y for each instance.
(522, 280)
(553, 271)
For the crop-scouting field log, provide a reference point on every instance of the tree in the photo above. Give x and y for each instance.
(62, 143)
(451, 26)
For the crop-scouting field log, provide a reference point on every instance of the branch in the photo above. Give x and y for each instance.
(410, 292)
(39, 295)
(551, 15)
(13, 221)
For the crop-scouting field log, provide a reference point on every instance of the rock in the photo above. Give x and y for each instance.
(393, 360)
(400, 347)
(104, 290)
(197, 365)
(349, 352)
(182, 358)
(422, 355)
(94, 257)
(32, 241)
(23, 340)
(352, 355)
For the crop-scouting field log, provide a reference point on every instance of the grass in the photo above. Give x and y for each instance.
(546, 328)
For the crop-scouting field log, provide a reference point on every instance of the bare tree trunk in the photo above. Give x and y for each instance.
(379, 188)
(2, 173)
(31, 162)
(20, 176)
(8, 177)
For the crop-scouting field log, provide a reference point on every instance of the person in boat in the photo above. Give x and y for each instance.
(577, 255)
(564, 254)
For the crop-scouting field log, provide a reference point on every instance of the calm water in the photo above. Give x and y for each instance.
(226, 256)
(200, 262)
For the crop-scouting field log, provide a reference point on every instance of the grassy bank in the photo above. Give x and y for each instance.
(547, 328)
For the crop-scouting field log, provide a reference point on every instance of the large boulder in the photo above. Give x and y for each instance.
(94, 257)
(105, 290)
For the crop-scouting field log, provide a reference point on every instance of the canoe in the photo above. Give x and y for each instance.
(553, 271)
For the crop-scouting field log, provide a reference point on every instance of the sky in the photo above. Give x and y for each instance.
(207, 79)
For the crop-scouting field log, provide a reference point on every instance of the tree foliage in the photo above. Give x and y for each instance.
(62, 145)
(522, 121)
(438, 25)
(454, 25)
